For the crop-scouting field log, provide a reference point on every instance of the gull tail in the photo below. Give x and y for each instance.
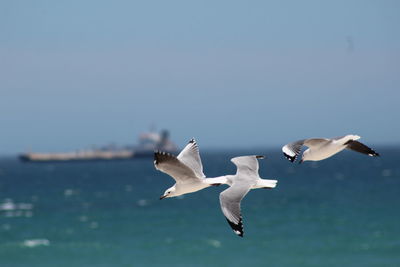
(216, 181)
(264, 183)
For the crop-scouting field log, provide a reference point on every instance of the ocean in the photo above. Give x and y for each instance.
(343, 211)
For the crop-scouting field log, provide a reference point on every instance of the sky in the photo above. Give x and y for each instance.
(232, 74)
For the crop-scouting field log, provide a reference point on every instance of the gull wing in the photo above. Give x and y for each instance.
(316, 142)
(247, 167)
(292, 150)
(190, 156)
(361, 148)
(172, 166)
(230, 205)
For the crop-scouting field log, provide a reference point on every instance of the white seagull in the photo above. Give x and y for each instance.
(186, 169)
(322, 148)
(246, 178)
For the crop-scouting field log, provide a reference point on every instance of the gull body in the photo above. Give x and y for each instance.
(186, 169)
(245, 179)
(323, 148)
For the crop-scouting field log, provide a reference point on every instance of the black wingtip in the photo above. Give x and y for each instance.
(237, 228)
(260, 157)
(156, 157)
(290, 158)
(361, 148)
(160, 156)
(191, 141)
(374, 153)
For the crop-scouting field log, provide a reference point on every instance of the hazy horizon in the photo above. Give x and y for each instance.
(203, 149)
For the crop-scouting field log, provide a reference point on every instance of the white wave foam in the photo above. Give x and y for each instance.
(31, 243)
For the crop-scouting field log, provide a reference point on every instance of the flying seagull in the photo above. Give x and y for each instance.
(246, 178)
(322, 148)
(186, 169)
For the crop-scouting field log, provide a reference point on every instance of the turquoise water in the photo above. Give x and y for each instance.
(343, 211)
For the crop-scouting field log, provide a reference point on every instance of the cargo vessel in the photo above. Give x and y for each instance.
(148, 143)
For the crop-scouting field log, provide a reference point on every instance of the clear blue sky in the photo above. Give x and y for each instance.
(230, 73)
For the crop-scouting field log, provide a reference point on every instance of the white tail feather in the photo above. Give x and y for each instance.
(262, 183)
(217, 180)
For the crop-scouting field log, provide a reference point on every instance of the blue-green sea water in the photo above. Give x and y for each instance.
(343, 211)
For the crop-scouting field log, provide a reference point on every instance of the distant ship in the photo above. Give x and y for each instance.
(148, 143)
(152, 141)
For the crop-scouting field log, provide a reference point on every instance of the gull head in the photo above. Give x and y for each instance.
(170, 192)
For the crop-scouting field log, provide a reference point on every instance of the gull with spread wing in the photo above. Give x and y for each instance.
(246, 178)
(186, 169)
(322, 148)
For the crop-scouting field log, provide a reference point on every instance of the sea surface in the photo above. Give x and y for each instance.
(343, 211)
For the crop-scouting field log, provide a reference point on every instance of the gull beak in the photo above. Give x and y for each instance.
(162, 197)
